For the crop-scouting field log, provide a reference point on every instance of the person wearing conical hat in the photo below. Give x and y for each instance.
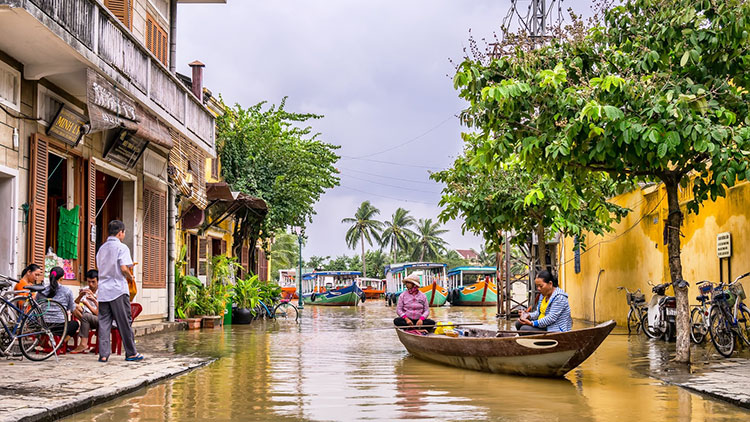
(412, 308)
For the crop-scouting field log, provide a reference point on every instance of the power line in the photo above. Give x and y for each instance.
(416, 138)
(346, 157)
(388, 177)
(388, 197)
(392, 186)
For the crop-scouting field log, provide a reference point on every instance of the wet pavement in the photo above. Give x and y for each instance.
(338, 365)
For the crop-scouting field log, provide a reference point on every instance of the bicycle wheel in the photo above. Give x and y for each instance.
(9, 318)
(286, 311)
(722, 335)
(651, 332)
(634, 320)
(697, 325)
(743, 323)
(36, 338)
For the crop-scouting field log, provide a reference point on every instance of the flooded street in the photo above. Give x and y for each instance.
(336, 365)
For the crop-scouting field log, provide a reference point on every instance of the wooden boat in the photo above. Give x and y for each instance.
(432, 280)
(540, 355)
(288, 283)
(374, 288)
(331, 288)
(472, 286)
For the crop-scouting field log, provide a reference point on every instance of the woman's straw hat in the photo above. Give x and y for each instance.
(412, 278)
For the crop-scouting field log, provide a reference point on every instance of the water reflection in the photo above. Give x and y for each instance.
(338, 366)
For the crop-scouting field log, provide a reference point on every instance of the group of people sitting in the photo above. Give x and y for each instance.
(97, 306)
(84, 308)
(550, 314)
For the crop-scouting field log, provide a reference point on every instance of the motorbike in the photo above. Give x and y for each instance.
(661, 319)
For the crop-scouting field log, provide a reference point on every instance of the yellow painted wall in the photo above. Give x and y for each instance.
(635, 252)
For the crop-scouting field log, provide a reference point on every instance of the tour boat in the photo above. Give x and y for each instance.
(504, 352)
(432, 281)
(331, 288)
(374, 288)
(288, 283)
(472, 286)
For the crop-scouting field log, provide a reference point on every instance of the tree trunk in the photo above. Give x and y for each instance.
(674, 222)
(421, 255)
(364, 263)
(542, 246)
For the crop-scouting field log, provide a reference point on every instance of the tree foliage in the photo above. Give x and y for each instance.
(266, 151)
(363, 228)
(658, 91)
(397, 233)
(428, 243)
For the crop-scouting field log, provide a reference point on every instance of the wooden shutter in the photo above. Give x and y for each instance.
(223, 246)
(202, 256)
(215, 168)
(262, 265)
(123, 10)
(90, 216)
(154, 239)
(157, 39)
(38, 157)
(244, 258)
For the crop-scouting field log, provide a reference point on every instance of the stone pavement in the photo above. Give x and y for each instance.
(728, 380)
(39, 391)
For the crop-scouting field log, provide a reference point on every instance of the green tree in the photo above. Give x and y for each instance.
(376, 261)
(266, 151)
(317, 262)
(397, 232)
(363, 228)
(453, 259)
(658, 91)
(486, 256)
(342, 263)
(428, 244)
(284, 253)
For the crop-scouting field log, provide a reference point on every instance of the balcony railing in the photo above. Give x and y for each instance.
(91, 24)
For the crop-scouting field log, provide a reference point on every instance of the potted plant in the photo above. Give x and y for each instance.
(246, 296)
(186, 293)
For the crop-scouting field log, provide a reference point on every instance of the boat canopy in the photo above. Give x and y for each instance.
(466, 275)
(472, 270)
(318, 281)
(428, 273)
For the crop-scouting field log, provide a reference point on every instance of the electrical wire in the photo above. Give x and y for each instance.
(388, 197)
(416, 138)
(392, 186)
(389, 177)
(346, 157)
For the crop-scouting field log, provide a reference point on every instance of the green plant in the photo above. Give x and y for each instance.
(246, 292)
(223, 269)
(187, 289)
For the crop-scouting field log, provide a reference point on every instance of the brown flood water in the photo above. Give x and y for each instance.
(334, 366)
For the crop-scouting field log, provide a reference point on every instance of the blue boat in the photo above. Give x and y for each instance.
(331, 288)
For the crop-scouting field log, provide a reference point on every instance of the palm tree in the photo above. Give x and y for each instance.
(397, 233)
(428, 243)
(363, 227)
(284, 250)
(486, 257)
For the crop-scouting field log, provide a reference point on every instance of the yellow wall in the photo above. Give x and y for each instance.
(635, 252)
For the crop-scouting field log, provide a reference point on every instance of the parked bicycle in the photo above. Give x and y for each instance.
(284, 310)
(729, 318)
(699, 326)
(22, 325)
(637, 303)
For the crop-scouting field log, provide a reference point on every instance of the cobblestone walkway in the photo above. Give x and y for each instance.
(34, 391)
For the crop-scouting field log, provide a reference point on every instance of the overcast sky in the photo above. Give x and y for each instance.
(378, 71)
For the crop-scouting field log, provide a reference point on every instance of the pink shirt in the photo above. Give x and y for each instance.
(412, 306)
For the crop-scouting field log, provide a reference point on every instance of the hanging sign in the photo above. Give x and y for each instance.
(125, 149)
(68, 126)
(724, 245)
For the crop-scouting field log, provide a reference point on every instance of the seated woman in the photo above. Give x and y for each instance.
(412, 308)
(29, 276)
(552, 312)
(64, 296)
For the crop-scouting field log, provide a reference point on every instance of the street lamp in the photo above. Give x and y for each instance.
(300, 232)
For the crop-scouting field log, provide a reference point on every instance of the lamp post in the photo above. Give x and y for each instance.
(300, 232)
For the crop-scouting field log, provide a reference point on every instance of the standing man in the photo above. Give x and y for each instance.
(114, 263)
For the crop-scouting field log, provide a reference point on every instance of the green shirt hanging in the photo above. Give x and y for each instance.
(67, 233)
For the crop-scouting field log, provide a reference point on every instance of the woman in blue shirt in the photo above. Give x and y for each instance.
(62, 294)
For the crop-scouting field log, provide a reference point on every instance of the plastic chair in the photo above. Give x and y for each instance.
(135, 310)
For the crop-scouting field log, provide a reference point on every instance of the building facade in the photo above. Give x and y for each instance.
(94, 126)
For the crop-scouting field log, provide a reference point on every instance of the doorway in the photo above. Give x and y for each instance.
(109, 204)
(7, 221)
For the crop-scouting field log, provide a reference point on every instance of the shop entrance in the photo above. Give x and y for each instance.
(7, 235)
(109, 204)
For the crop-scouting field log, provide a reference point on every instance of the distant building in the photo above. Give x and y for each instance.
(469, 255)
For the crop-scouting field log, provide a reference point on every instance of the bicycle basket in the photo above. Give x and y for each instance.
(639, 298)
(705, 288)
(738, 290)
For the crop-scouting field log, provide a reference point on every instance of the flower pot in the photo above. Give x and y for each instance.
(241, 316)
(193, 323)
(212, 321)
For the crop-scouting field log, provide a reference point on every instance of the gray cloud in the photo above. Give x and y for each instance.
(378, 71)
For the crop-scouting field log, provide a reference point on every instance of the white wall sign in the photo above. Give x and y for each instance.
(724, 245)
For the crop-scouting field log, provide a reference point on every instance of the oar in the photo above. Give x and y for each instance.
(419, 327)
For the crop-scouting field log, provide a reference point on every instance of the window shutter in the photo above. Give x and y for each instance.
(123, 10)
(38, 156)
(157, 39)
(262, 265)
(223, 247)
(149, 34)
(90, 215)
(202, 256)
(154, 239)
(244, 258)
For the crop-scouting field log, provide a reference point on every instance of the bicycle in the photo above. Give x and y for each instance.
(729, 318)
(284, 310)
(637, 303)
(24, 326)
(699, 326)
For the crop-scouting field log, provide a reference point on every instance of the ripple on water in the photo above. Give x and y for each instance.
(336, 365)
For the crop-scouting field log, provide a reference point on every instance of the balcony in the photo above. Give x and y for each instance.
(59, 39)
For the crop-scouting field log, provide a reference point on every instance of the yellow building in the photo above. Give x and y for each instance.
(635, 254)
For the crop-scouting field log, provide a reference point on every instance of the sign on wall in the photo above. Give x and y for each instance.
(125, 149)
(724, 245)
(68, 126)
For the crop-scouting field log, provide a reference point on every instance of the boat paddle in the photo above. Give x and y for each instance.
(419, 327)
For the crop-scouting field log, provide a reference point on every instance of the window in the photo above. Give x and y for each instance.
(215, 168)
(10, 87)
(156, 39)
(123, 10)
(154, 238)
